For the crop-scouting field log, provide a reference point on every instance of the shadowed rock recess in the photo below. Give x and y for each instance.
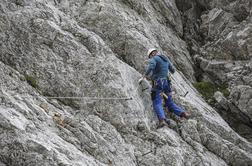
(96, 48)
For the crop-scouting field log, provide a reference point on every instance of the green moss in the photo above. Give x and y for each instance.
(224, 90)
(207, 89)
(32, 81)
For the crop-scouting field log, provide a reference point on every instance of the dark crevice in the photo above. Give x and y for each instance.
(198, 71)
(237, 121)
(191, 12)
(191, 22)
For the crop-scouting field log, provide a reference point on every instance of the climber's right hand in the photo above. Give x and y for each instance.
(140, 80)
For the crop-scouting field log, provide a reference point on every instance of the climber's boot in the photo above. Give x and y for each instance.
(185, 115)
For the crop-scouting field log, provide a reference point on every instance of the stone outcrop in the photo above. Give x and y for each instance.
(219, 36)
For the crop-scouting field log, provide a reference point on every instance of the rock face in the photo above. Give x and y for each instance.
(219, 35)
(96, 50)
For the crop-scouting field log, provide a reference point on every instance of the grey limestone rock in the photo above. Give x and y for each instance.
(219, 37)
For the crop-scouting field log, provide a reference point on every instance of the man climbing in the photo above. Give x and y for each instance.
(157, 70)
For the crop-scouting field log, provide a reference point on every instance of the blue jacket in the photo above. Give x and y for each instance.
(158, 67)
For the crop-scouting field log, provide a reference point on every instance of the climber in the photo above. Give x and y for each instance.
(157, 71)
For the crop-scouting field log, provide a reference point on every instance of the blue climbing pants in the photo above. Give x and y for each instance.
(159, 86)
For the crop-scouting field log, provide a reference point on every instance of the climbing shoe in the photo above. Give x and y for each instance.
(185, 115)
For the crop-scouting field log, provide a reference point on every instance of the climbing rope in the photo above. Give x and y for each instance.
(83, 98)
(179, 86)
